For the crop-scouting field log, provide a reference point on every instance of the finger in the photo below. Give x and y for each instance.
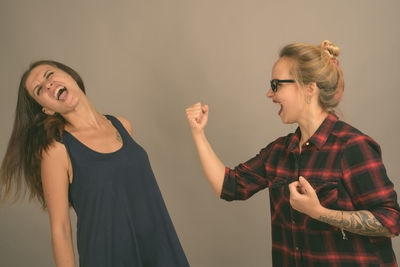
(306, 184)
(293, 188)
(301, 189)
(194, 116)
(195, 111)
(194, 106)
(197, 104)
(204, 109)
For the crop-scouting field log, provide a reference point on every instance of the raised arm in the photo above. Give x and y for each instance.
(55, 179)
(214, 169)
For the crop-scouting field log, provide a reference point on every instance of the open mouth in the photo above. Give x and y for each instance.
(279, 104)
(60, 93)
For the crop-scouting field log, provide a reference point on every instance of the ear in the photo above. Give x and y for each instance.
(311, 89)
(48, 111)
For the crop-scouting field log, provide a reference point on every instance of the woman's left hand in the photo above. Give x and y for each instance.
(304, 199)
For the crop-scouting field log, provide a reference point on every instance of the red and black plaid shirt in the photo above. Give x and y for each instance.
(345, 168)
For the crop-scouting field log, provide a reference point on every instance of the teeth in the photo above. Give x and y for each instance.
(56, 92)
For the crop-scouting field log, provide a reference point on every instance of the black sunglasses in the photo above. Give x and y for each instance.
(275, 83)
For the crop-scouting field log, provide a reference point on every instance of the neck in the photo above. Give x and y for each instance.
(310, 123)
(84, 116)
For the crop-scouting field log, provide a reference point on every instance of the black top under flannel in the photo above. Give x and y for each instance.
(345, 168)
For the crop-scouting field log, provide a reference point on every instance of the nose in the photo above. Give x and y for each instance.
(270, 93)
(48, 84)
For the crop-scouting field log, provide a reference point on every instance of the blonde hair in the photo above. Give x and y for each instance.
(311, 63)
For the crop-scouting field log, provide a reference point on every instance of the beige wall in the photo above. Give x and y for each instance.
(148, 60)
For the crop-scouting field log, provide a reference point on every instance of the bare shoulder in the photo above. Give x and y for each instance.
(55, 161)
(126, 123)
(55, 183)
(56, 152)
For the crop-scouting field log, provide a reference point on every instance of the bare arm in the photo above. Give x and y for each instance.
(213, 167)
(55, 180)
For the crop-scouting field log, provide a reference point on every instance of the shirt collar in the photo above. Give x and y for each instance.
(318, 139)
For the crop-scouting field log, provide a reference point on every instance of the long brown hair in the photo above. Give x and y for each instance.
(32, 133)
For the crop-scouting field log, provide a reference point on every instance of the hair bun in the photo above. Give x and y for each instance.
(332, 49)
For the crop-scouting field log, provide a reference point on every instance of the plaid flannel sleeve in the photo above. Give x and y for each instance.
(246, 179)
(366, 180)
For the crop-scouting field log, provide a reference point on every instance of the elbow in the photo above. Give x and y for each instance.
(218, 192)
(388, 233)
(391, 234)
(61, 231)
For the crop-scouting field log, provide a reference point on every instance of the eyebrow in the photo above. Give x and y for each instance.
(44, 75)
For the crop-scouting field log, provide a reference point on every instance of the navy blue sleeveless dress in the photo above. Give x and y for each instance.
(122, 218)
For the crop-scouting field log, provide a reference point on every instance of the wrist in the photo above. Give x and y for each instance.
(318, 212)
(197, 133)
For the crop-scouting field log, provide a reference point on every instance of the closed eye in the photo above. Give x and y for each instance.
(38, 90)
(49, 74)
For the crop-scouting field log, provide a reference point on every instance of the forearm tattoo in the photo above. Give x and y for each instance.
(359, 222)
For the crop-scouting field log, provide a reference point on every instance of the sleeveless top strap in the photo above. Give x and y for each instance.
(120, 127)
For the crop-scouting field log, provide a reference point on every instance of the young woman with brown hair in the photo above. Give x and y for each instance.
(71, 155)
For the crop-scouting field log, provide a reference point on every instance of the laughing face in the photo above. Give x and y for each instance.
(289, 97)
(53, 89)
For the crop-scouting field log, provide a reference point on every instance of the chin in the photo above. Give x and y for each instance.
(287, 120)
(73, 101)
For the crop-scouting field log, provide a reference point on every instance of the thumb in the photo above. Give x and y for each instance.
(204, 109)
(305, 184)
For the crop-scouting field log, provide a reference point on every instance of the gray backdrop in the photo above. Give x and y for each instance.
(148, 60)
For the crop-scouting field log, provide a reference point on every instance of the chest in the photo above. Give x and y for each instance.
(321, 167)
(312, 163)
(105, 140)
(103, 173)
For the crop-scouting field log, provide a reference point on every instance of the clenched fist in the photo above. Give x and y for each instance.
(303, 198)
(197, 116)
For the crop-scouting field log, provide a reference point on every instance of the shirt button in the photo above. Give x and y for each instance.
(297, 248)
(308, 143)
(293, 221)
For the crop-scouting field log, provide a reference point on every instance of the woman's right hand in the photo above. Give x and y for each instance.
(197, 116)
(214, 169)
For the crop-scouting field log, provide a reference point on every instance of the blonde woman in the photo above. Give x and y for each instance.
(331, 201)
